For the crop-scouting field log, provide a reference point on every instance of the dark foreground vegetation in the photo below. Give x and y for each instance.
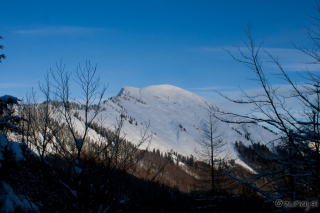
(48, 186)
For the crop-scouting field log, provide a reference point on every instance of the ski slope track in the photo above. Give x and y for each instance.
(175, 116)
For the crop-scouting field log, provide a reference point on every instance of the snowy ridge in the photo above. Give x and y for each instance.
(175, 116)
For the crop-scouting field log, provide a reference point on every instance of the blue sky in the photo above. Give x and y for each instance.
(141, 43)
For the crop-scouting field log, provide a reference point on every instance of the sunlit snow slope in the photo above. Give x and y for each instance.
(175, 116)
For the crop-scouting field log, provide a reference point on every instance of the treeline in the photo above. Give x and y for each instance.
(171, 155)
(255, 155)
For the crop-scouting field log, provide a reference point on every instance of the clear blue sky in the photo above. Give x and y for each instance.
(140, 43)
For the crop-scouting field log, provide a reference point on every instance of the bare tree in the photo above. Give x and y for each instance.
(91, 101)
(296, 174)
(59, 129)
(51, 124)
(210, 142)
(119, 156)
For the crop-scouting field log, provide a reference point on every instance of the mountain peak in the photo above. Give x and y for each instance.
(176, 116)
(162, 90)
(154, 88)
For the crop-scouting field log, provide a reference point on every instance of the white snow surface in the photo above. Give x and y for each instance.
(13, 146)
(175, 116)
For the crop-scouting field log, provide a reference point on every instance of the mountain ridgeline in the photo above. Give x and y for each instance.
(175, 117)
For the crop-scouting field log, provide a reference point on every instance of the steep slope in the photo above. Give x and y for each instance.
(175, 116)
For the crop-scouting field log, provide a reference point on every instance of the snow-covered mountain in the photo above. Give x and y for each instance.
(175, 116)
